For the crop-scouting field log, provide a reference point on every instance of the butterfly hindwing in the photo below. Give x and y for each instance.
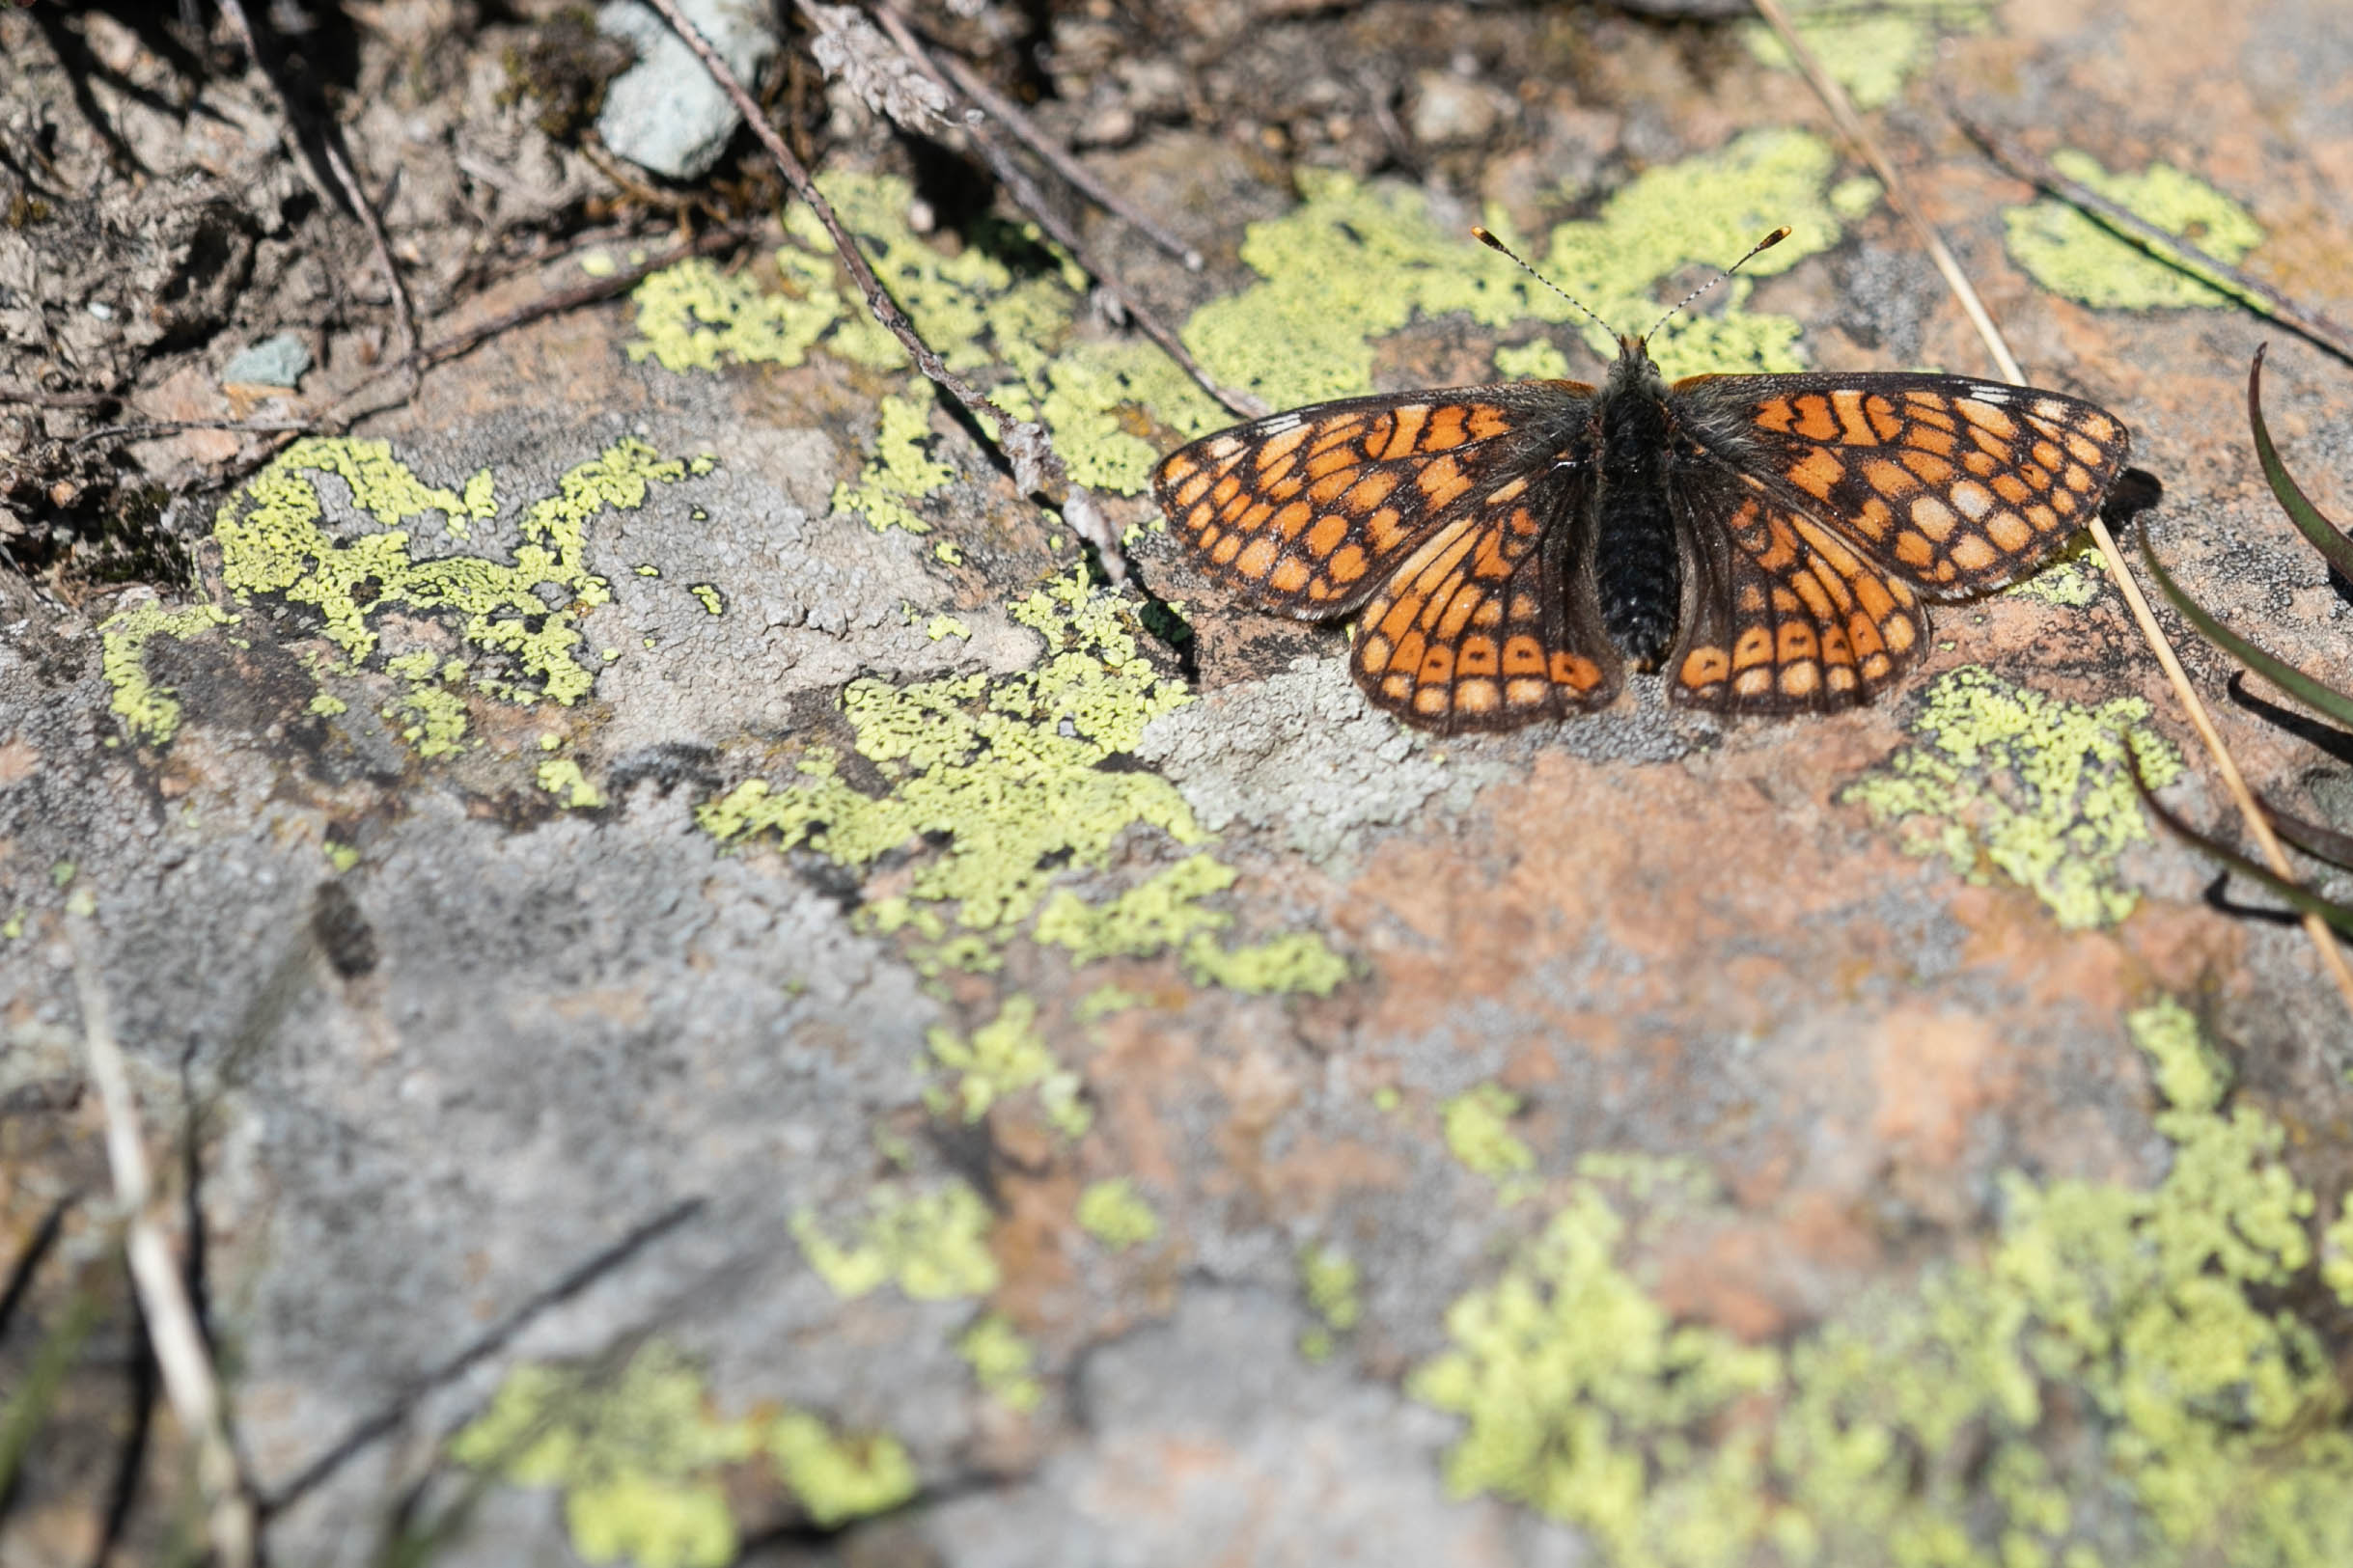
(1792, 616)
(1484, 625)
(1310, 511)
(1960, 486)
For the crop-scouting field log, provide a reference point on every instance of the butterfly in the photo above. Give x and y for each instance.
(1768, 542)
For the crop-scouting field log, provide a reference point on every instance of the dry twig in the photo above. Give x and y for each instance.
(1850, 124)
(179, 1344)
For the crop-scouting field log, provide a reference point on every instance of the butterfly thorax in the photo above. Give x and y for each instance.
(1637, 561)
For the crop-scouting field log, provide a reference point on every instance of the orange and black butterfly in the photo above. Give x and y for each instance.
(1765, 540)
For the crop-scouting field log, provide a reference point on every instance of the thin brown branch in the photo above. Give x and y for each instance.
(181, 1352)
(1850, 124)
(1006, 112)
(1031, 200)
(35, 397)
(2166, 246)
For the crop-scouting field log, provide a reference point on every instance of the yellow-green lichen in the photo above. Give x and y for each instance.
(561, 777)
(1159, 913)
(273, 539)
(1538, 361)
(1297, 963)
(2007, 780)
(638, 1455)
(1104, 1000)
(2336, 1242)
(1328, 1279)
(1008, 769)
(1477, 1126)
(1869, 50)
(1116, 1215)
(430, 716)
(899, 472)
(947, 626)
(2070, 254)
(2071, 581)
(706, 594)
(2120, 1377)
(1002, 1363)
(1002, 1059)
(932, 1246)
(150, 712)
(836, 1479)
(342, 857)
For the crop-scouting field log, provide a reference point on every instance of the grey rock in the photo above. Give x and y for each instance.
(665, 114)
(277, 361)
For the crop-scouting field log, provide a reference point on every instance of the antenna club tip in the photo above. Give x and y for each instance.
(1775, 237)
(1480, 233)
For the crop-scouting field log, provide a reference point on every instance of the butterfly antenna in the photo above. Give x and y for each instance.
(1487, 238)
(1765, 244)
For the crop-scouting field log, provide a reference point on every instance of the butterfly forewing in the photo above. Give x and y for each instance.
(1958, 486)
(1310, 511)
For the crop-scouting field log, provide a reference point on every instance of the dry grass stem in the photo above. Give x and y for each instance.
(1850, 126)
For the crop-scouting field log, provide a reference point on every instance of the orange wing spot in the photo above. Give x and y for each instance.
(1814, 420)
(2098, 426)
(1489, 616)
(1523, 655)
(2083, 452)
(1339, 433)
(2076, 479)
(1373, 651)
(1508, 493)
(1445, 428)
(1478, 656)
(1259, 555)
(1370, 491)
(1408, 654)
(1226, 489)
(1289, 485)
(1973, 553)
(1940, 442)
(2010, 489)
(1524, 693)
(2009, 530)
(1816, 598)
(2065, 503)
(1835, 646)
(1704, 667)
(2038, 478)
(1756, 647)
(1290, 575)
(1795, 643)
(1932, 410)
(1227, 549)
(1431, 700)
(1933, 518)
(1331, 462)
(1442, 481)
(1397, 686)
(1575, 672)
(1992, 444)
(1255, 516)
(1408, 429)
(1191, 491)
(2048, 455)
(1886, 423)
(1324, 538)
(1987, 417)
(1459, 608)
(2044, 519)
(1982, 464)
(1775, 414)
(1487, 422)
(1847, 404)
(1477, 696)
(1278, 447)
(1220, 447)
(1347, 565)
(1208, 539)
(1751, 601)
(1878, 666)
(1801, 679)
(1291, 519)
(1755, 682)
(1930, 467)
(1841, 678)
(1874, 518)
(1898, 632)
(1913, 550)
(1873, 593)
(1817, 472)
(1889, 480)
(1970, 499)
(1329, 488)
(1437, 663)
(1383, 530)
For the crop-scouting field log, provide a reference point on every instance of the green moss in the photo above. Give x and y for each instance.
(1008, 769)
(1114, 1214)
(273, 541)
(1478, 1124)
(1871, 51)
(837, 1479)
(1294, 963)
(561, 777)
(1328, 1279)
(932, 1246)
(1004, 1058)
(2070, 254)
(1160, 913)
(1002, 1363)
(2006, 779)
(150, 713)
(638, 1457)
(2119, 1378)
